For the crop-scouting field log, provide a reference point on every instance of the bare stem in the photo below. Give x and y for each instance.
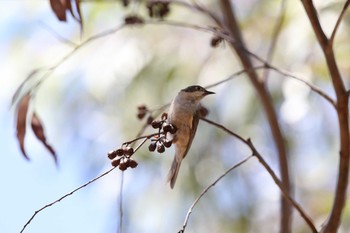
(64, 196)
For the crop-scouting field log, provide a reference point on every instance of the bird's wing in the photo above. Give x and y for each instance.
(195, 121)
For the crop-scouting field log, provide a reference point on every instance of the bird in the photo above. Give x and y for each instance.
(184, 115)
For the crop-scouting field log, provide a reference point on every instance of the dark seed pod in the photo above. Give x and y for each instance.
(142, 108)
(173, 129)
(167, 143)
(215, 41)
(141, 115)
(160, 148)
(112, 154)
(120, 152)
(164, 116)
(132, 163)
(156, 124)
(129, 151)
(203, 112)
(167, 128)
(123, 166)
(152, 146)
(115, 163)
(150, 120)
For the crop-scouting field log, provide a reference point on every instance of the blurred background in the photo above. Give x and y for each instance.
(89, 106)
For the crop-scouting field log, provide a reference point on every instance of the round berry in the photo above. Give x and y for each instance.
(141, 115)
(116, 162)
(112, 154)
(132, 163)
(173, 129)
(167, 143)
(150, 120)
(120, 152)
(152, 146)
(167, 128)
(123, 166)
(164, 116)
(129, 151)
(156, 124)
(160, 148)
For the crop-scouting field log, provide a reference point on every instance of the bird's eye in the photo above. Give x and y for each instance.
(198, 88)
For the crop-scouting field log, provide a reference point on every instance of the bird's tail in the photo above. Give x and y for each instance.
(174, 170)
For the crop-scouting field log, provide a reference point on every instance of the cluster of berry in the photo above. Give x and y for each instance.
(161, 141)
(121, 157)
(124, 158)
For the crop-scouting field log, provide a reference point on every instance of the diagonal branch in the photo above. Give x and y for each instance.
(63, 197)
(280, 185)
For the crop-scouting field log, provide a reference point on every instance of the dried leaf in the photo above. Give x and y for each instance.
(59, 8)
(77, 4)
(38, 130)
(22, 111)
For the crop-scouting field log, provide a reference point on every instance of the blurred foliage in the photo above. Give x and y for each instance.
(90, 103)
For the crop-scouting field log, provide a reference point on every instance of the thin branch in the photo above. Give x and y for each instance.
(63, 197)
(312, 86)
(275, 35)
(346, 5)
(51, 69)
(282, 72)
(207, 189)
(283, 190)
(146, 137)
(57, 35)
(120, 227)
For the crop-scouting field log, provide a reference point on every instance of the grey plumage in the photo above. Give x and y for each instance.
(184, 114)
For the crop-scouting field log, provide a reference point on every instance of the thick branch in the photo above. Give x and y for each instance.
(342, 111)
(239, 46)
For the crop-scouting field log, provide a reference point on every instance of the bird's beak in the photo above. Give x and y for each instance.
(208, 92)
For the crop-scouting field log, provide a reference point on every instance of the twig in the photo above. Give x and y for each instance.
(346, 5)
(207, 189)
(120, 227)
(255, 152)
(312, 86)
(142, 137)
(63, 197)
(51, 69)
(57, 35)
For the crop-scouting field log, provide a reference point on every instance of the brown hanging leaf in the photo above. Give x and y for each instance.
(59, 8)
(80, 18)
(22, 111)
(38, 130)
